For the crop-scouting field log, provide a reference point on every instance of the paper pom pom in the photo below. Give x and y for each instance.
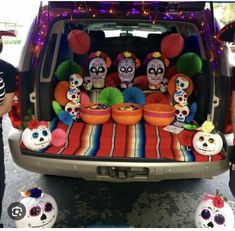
(172, 45)
(60, 92)
(110, 96)
(67, 68)
(58, 137)
(134, 95)
(170, 72)
(65, 118)
(79, 41)
(85, 99)
(157, 98)
(189, 64)
(56, 107)
(141, 82)
(112, 80)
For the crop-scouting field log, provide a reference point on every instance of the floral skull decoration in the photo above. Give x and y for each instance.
(98, 68)
(75, 81)
(127, 64)
(213, 212)
(73, 109)
(181, 83)
(181, 112)
(41, 210)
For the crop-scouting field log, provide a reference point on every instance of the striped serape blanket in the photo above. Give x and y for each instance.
(112, 140)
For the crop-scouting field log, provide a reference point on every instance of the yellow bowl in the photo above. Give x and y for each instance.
(90, 115)
(122, 113)
(157, 114)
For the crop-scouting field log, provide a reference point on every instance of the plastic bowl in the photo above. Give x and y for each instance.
(93, 114)
(123, 113)
(157, 114)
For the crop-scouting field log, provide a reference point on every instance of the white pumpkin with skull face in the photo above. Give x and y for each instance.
(181, 97)
(181, 112)
(181, 83)
(41, 212)
(213, 212)
(75, 81)
(98, 71)
(207, 144)
(37, 138)
(126, 72)
(73, 109)
(155, 73)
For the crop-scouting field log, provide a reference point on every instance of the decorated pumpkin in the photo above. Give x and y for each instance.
(214, 212)
(41, 210)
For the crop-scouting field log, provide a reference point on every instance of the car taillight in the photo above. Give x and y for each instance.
(15, 113)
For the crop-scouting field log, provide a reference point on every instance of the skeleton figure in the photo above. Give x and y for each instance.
(155, 73)
(75, 81)
(181, 97)
(181, 112)
(98, 71)
(87, 83)
(181, 83)
(126, 72)
(74, 95)
(73, 109)
(207, 144)
(214, 212)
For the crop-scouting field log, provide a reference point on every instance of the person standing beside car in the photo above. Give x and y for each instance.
(7, 89)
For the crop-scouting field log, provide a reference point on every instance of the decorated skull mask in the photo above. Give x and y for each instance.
(98, 71)
(155, 73)
(75, 81)
(74, 95)
(207, 144)
(73, 109)
(181, 97)
(214, 212)
(181, 83)
(36, 138)
(87, 83)
(181, 112)
(41, 211)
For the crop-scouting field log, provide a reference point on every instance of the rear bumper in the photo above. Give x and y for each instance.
(88, 170)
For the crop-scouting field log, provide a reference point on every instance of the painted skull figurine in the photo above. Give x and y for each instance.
(181, 83)
(98, 68)
(74, 95)
(181, 97)
(36, 136)
(164, 85)
(87, 83)
(75, 81)
(213, 212)
(181, 112)
(127, 64)
(73, 109)
(207, 144)
(41, 210)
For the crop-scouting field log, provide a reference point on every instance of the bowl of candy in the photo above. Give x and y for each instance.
(126, 113)
(95, 113)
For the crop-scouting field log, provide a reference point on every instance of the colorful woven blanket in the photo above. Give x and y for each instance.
(112, 140)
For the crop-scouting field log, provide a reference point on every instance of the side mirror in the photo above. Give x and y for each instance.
(227, 33)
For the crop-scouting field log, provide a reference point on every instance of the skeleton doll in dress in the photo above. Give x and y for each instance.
(98, 68)
(127, 64)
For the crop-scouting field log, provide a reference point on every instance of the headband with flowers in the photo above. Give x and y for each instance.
(103, 55)
(128, 54)
(156, 55)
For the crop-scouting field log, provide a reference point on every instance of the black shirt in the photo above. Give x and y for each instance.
(7, 79)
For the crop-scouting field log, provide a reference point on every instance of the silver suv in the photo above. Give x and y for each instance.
(113, 152)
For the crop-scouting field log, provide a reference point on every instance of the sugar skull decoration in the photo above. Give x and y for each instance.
(214, 212)
(41, 210)
(37, 136)
(75, 81)
(181, 112)
(207, 143)
(87, 83)
(156, 65)
(98, 68)
(127, 63)
(73, 108)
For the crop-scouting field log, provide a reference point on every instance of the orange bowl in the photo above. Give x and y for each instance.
(126, 113)
(157, 114)
(93, 113)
